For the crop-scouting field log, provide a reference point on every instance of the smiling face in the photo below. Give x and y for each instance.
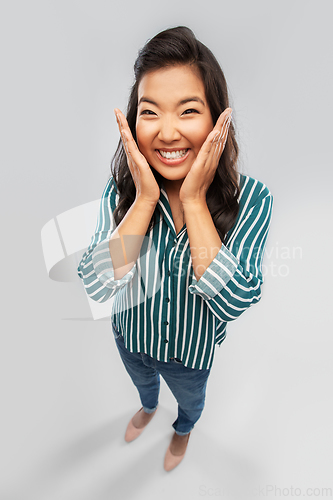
(173, 120)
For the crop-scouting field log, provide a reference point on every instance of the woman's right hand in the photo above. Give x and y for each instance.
(147, 188)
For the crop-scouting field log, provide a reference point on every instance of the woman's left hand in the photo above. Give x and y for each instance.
(201, 175)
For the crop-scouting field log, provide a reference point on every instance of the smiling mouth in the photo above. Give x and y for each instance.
(172, 155)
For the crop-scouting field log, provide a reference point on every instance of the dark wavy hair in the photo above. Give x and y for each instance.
(179, 46)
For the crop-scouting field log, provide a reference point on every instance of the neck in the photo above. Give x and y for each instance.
(173, 187)
(172, 191)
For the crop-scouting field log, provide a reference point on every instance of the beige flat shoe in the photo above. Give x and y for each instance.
(132, 432)
(171, 461)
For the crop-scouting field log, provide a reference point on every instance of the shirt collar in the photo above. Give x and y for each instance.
(165, 209)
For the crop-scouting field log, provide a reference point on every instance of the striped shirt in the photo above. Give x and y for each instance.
(159, 307)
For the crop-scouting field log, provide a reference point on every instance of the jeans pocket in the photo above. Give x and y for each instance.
(115, 331)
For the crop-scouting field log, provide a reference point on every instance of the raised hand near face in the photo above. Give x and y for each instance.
(147, 188)
(201, 175)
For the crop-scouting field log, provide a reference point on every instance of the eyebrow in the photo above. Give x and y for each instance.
(183, 101)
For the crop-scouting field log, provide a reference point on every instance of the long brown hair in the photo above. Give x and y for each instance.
(177, 46)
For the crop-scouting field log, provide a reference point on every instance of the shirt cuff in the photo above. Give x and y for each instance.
(103, 266)
(216, 276)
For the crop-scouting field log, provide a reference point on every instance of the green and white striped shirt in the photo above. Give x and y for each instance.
(159, 307)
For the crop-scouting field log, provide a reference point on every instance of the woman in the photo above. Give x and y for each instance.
(180, 235)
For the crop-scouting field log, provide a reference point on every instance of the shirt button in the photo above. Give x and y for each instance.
(167, 299)
(166, 341)
(169, 273)
(166, 322)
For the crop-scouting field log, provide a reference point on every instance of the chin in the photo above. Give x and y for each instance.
(172, 173)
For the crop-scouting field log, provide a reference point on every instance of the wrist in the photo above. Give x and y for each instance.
(194, 204)
(144, 203)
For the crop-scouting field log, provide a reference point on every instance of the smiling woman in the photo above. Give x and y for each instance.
(180, 234)
(176, 52)
(171, 130)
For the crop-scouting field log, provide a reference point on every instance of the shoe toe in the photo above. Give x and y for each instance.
(132, 432)
(171, 461)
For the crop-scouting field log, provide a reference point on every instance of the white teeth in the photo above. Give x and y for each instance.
(171, 155)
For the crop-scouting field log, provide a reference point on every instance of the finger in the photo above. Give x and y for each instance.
(122, 122)
(224, 126)
(207, 148)
(126, 134)
(125, 142)
(217, 153)
(222, 118)
(118, 114)
(120, 126)
(225, 130)
(126, 131)
(213, 146)
(222, 136)
(214, 156)
(220, 141)
(138, 159)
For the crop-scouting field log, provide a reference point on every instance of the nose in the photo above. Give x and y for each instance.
(168, 130)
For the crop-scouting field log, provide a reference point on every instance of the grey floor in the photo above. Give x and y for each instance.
(266, 430)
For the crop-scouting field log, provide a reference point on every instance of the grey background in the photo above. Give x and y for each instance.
(65, 396)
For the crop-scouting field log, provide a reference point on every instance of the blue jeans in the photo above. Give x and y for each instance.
(188, 385)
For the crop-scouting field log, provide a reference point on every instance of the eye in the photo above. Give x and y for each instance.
(147, 112)
(190, 111)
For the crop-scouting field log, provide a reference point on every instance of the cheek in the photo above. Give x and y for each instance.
(143, 136)
(140, 138)
(199, 138)
(197, 133)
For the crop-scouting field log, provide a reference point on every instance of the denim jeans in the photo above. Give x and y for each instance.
(188, 385)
